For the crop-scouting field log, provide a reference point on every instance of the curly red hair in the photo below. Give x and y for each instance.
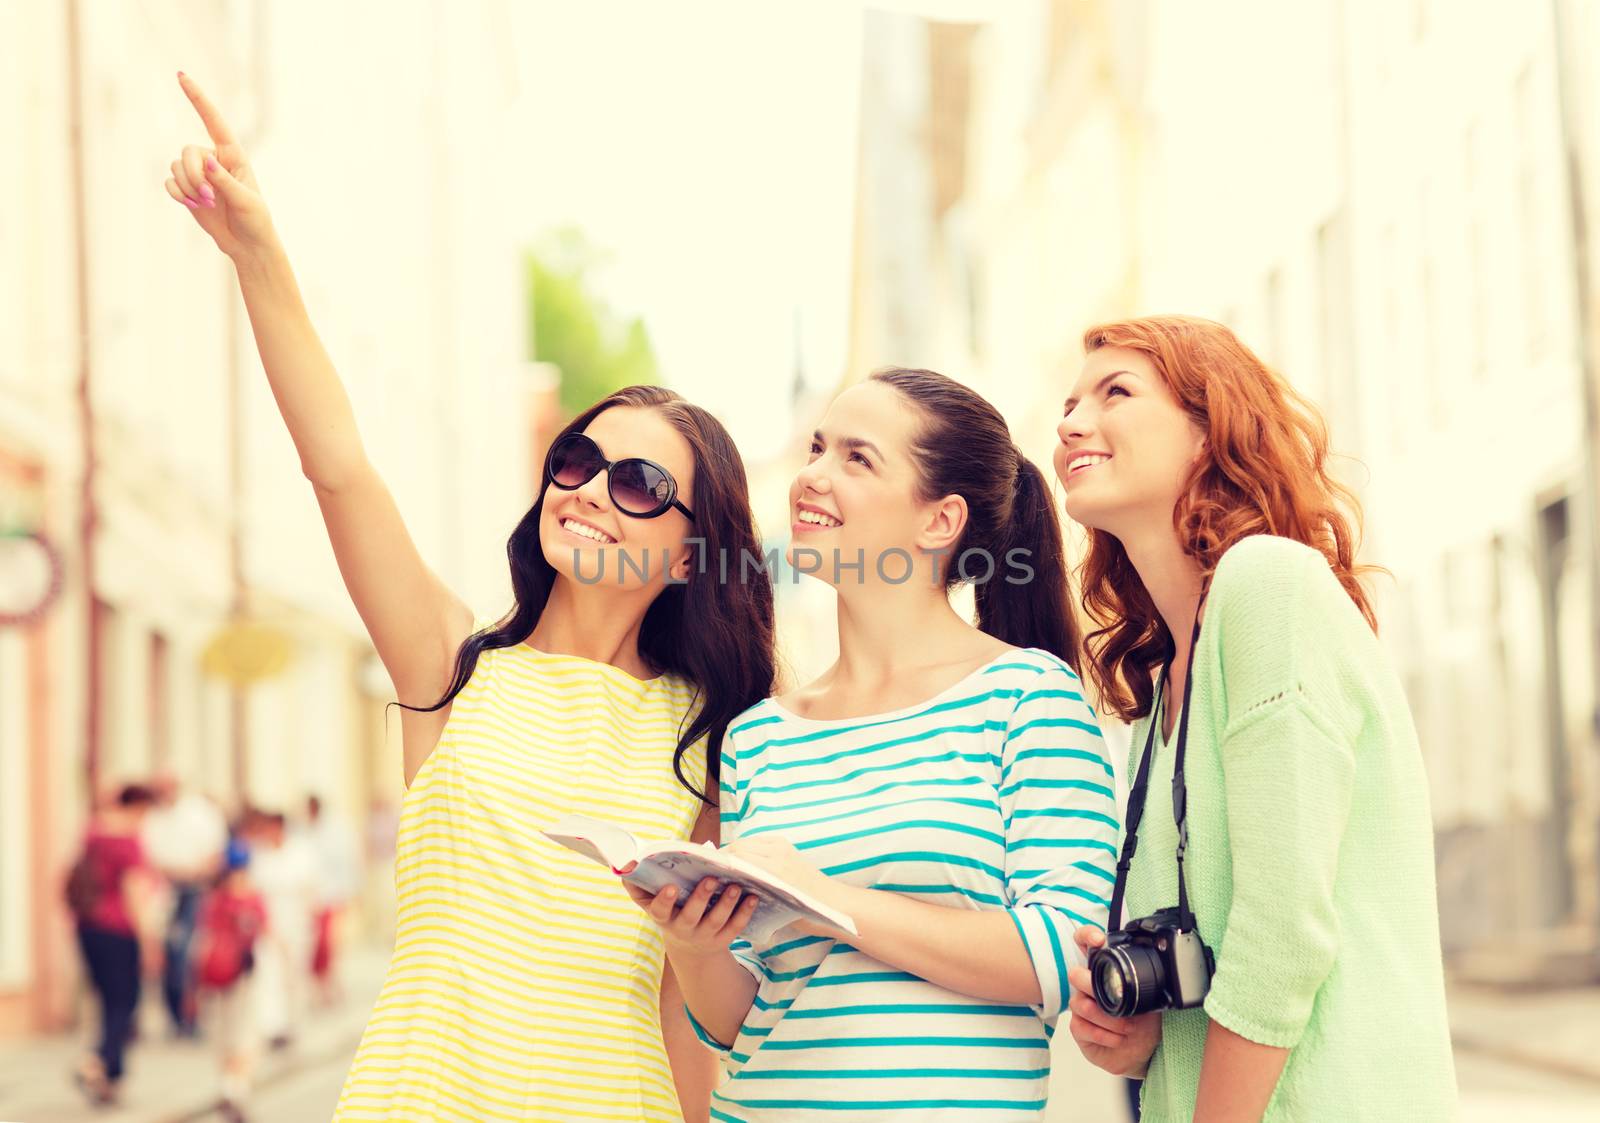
(1264, 471)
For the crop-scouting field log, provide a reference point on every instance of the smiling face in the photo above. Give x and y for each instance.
(1127, 444)
(577, 527)
(858, 491)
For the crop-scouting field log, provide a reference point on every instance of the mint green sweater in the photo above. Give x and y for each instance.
(1310, 861)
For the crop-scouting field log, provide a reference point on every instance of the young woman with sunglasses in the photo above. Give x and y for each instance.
(522, 986)
(942, 784)
(1202, 479)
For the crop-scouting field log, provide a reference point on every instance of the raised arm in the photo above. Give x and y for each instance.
(415, 622)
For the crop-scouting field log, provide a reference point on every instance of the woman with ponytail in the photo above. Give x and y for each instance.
(942, 784)
(522, 987)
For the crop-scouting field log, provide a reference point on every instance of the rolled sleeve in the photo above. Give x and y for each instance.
(1058, 799)
(727, 793)
(1287, 779)
(704, 1035)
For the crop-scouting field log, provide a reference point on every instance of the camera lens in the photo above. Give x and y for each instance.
(1108, 982)
(1128, 979)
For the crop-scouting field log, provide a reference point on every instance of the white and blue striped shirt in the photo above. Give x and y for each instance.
(996, 794)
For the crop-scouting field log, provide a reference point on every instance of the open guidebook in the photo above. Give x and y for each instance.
(686, 864)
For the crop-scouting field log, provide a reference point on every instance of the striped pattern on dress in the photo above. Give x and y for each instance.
(524, 984)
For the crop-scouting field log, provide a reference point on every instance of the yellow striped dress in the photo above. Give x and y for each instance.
(524, 984)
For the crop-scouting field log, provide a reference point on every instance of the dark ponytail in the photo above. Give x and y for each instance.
(1038, 613)
(717, 635)
(965, 448)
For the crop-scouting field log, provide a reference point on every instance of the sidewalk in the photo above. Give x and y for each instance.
(176, 1081)
(1552, 1030)
(1555, 1031)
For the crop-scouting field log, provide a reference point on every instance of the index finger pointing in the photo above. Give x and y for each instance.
(216, 127)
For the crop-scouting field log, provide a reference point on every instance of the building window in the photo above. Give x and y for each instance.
(159, 707)
(1477, 250)
(1272, 300)
(1333, 331)
(1428, 293)
(1528, 219)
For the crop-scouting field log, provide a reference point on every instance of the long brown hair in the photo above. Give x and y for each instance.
(964, 447)
(715, 634)
(1264, 471)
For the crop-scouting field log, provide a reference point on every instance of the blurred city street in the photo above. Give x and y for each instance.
(178, 1080)
(1557, 1078)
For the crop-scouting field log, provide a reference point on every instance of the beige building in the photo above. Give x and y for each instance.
(976, 140)
(1375, 197)
(405, 252)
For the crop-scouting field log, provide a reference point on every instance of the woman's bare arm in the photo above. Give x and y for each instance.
(415, 622)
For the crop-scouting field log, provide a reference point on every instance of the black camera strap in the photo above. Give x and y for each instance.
(1141, 783)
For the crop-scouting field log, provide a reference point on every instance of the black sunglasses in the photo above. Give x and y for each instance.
(640, 488)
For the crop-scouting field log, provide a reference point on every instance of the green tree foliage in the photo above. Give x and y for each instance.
(597, 349)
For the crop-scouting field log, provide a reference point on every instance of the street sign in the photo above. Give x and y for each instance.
(247, 651)
(30, 578)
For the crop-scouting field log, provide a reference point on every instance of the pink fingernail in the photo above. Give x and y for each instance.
(211, 163)
(190, 203)
(206, 193)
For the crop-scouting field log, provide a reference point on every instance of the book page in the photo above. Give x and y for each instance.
(609, 845)
(780, 904)
(685, 865)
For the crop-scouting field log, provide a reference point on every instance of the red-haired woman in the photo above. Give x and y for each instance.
(1233, 632)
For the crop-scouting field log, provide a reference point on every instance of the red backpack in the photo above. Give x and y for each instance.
(83, 886)
(227, 939)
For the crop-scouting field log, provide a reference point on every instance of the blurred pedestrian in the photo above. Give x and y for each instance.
(333, 848)
(110, 891)
(283, 869)
(231, 922)
(184, 838)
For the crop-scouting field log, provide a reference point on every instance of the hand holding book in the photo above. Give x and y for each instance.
(701, 922)
(786, 890)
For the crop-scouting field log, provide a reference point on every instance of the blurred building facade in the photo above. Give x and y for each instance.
(1377, 198)
(199, 508)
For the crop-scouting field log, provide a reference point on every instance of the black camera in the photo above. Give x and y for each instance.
(1153, 963)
